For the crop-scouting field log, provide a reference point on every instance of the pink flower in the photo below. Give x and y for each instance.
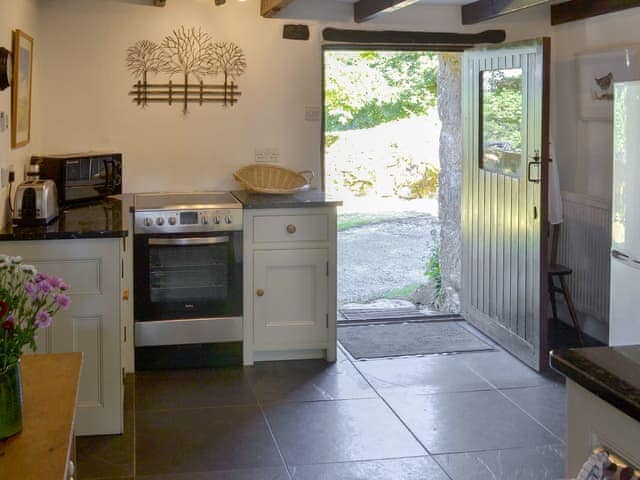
(40, 277)
(30, 289)
(55, 282)
(62, 300)
(44, 286)
(9, 324)
(63, 286)
(43, 319)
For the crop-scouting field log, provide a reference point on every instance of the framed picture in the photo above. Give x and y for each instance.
(597, 72)
(22, 80)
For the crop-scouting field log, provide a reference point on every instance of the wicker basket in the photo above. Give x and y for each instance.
(264, 178)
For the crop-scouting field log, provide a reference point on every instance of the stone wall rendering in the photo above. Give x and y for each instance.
(450, 192)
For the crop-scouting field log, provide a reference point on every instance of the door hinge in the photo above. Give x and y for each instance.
(123, 375)
(124, 244)
(327, 320)
(125, 334)
(327, 268)
(535, 212)
(122, 268)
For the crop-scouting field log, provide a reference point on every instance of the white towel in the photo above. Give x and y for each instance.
(555, 195)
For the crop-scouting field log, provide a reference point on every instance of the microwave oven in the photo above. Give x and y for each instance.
(82, 177)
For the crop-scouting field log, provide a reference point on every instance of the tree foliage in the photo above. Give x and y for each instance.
(367, 88)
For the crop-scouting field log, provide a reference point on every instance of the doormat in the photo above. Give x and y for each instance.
(355, 314)
(403, 339)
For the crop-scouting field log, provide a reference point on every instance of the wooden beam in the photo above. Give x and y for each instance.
(390, 37)
(364, 10)
(482, 10)
(580, 9)
(270, 8)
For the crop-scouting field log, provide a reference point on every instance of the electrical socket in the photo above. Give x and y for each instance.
(267, 155)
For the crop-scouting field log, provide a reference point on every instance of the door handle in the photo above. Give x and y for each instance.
(536, 162)
(260, 292)
(619, 255)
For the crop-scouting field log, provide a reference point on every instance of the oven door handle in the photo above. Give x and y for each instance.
(189, 241)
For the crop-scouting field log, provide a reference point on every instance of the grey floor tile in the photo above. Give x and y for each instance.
(201, 440)
(422, 375)
(468, 421)
(505, 371)
(538, 463)
(251, 474)
(548, 405)
(416, 468)
(308, 380)
(109, 456)
(192, 389)
(340, 431)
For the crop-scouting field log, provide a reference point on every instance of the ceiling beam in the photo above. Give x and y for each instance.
(581, 9)
(364, 10)
(482, 10)
(270, 8)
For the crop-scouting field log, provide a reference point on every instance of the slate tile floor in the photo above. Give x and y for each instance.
(468, 416)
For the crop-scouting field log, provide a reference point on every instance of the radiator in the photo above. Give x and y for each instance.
(585, 242)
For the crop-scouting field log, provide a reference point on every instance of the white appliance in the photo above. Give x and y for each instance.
(624, 328)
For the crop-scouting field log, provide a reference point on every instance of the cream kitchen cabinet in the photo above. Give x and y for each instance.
(289, 284)
(94, 270)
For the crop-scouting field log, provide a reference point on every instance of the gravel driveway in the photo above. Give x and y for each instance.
(376, 258)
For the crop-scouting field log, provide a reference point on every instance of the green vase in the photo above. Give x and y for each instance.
(10, 401)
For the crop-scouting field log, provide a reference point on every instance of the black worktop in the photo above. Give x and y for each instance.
(104, 219)
(611, 373)
(303, 199)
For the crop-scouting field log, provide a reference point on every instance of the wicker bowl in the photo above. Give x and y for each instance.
(264, 178)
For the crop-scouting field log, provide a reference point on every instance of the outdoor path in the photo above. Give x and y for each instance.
(376, 258)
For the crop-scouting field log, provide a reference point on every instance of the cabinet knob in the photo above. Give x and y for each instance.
(260, 292)
(291, 228)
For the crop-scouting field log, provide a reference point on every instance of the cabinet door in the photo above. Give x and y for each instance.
(91, 325)
(290, 298)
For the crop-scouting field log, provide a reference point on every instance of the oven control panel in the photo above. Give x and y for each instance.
(194, 221)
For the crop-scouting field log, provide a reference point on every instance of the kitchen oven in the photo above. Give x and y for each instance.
(187, 269)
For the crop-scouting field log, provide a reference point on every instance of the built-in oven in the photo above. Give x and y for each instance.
(187, 274)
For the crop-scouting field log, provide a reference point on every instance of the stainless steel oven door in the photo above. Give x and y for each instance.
(188, 289)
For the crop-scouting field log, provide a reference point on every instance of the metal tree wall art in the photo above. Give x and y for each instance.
(188, 53)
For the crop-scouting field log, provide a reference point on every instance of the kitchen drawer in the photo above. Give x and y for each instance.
(290, 228)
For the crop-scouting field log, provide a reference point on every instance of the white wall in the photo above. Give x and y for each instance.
(85, 103)
(584, 149)
(21, 15)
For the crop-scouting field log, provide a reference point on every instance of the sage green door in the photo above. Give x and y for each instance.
(505, 103)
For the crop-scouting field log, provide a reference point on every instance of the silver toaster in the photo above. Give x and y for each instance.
(36, 203)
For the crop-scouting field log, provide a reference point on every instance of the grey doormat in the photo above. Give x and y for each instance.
(367, 314)
(401, 339)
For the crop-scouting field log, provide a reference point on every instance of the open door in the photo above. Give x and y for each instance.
(504, 205)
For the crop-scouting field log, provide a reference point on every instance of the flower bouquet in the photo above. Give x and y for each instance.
(28, 302)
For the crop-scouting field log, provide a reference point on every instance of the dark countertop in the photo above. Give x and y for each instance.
(611, 373)
(107, 218)
(304, 199)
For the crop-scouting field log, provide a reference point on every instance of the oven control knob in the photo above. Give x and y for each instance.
(172, 220)
(216, 220)
(148, 222)
(228, 219)
(159, 221)
(205, 220)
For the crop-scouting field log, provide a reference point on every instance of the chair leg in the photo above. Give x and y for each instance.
(552, 297)
(572, 310)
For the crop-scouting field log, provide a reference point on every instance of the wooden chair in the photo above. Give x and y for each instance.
(561, 272)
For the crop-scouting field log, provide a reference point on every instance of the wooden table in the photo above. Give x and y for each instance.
(44, 447)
